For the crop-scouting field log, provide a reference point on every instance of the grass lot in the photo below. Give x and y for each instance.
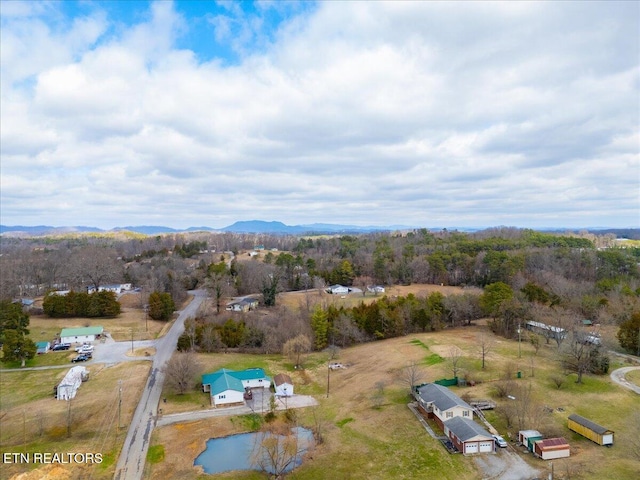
(33, 421)
(367, 440)
(366, 436)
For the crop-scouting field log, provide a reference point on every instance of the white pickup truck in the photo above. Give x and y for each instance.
(85, 348)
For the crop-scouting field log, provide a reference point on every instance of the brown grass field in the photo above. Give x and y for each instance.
(366, 440)
(365, 436)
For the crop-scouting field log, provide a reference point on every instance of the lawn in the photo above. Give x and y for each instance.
(34, 421)
(371, 437)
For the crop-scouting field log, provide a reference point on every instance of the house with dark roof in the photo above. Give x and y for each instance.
(228, 387)
(442, 404)
(468, 437)
(243, 305)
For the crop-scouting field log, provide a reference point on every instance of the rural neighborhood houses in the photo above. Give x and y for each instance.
(455, 417)
(80, 335)
(115, 288)
(338, 290)
(228, 387)
(242, 305)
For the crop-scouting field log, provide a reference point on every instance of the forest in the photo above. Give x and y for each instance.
(526, 275)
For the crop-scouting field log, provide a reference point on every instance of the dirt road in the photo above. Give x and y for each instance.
(618, 376)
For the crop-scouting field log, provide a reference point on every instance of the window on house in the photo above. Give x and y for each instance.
(220, 397)
(465, 413)
(449, 414)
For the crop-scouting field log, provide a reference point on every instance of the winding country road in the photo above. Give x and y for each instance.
(132, 458)
(618, 376)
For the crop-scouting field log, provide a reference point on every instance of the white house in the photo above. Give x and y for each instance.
(80, 335)
(283, 385)
(115, 288)
(338, 290)
(442, 404)
(227, 387)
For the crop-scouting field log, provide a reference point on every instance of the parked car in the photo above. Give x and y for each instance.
(502, 443)
(61, 346)
(84, 346)
(81, 358)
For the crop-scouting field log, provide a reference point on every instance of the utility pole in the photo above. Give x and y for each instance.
(119, 402)
(519, 340)
(132, 340)
(328, 377)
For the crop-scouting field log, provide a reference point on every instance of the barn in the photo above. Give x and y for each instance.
(283, 385)
(591, 430)
(551, 448)
(80, 335)
(468, 437)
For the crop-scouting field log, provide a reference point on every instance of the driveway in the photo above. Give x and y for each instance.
(618, 376)
(260, 403)
(505, 464)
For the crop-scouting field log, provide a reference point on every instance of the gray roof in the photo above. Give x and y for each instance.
(466, 429)
(589, 424)
(441, 397)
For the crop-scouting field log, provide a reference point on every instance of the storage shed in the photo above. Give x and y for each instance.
(528, 438)
(283, 385)
(591, 430)
(551, 448)
(69, 385)
(42, 347)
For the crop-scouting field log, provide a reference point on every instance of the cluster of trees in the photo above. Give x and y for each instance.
(324, 326)
(14, 333)
(81, 304)
(161, 306)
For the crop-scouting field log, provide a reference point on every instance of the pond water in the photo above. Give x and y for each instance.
(236, 452)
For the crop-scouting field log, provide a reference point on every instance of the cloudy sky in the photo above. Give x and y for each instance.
(429, 114)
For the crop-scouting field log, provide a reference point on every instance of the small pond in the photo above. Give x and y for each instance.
(236, 452)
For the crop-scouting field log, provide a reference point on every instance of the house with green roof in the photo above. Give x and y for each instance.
(80, 335)
(227, 387)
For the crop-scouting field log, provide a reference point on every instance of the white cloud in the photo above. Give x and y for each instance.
(423, 113)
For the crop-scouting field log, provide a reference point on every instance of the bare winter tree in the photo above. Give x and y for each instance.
(484, 345)
(296, 348)
(411, 375)
(454, 360)
(181, 371)
(277, 448)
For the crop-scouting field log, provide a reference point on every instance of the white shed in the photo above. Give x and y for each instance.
(283, 385)
(80, 335)
(69, 385)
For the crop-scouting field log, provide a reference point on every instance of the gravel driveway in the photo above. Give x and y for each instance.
(505, 465)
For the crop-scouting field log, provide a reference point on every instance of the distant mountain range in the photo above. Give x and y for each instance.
(277, 228)
(252, 226)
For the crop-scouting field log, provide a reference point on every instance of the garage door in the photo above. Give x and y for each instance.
(486, 447)
(471, 447)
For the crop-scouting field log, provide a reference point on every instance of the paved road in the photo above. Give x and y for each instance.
(130, 465)
(618, 376)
